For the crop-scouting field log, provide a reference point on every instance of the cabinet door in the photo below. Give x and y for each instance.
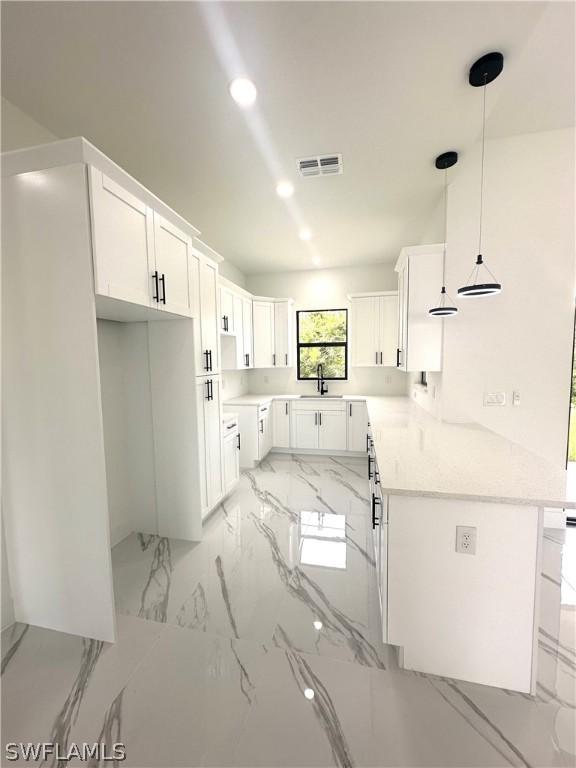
(248, 360)
(305, 429)
(201, 395)
(282, 320)
(365, 317)
(230, 462)
(226, 310)
(213, 441)
(357, 426)
(238, 331)
(209, 331)
(388, 330)
(402, 344)
(265, 436)
(383, 575)
(173, 262)
(281, 424)
(263, 314)
(332, 430)
(123, 242)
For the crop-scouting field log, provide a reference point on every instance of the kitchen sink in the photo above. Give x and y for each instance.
(321, 397)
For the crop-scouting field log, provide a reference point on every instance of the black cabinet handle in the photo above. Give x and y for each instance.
(369, 467)
(397, 358)
(315, 419)
(376, 353)
(274, 359)
(262, 426)
(246, 360)
(238, 444)
(367, 442)
(155, 277)
(163, 281)
(375, 500)
(230, 426)
(350, 409)
(286, 408)
(381, 363)
(207, 356)
(320, 417)
(286, 358)
(209, 359)
(207, 390)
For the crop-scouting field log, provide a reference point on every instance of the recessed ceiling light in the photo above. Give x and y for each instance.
(317, 625)
(243, 91)
(305, 234)
(309, 693)
(285, 189)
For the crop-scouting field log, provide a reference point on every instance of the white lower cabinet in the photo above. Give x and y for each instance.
(264, 431)
(357, 426)
(281, 424)
(332, 430)
(319, 424)
(230, 455)
(255, 427)
(209, 441)
(305, 429)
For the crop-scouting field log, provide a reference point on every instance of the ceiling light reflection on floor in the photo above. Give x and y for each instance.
(309, 693)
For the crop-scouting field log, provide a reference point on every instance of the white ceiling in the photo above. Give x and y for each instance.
(384, 83)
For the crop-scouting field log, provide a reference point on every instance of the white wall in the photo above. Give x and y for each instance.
(128, 435)
(231, 272)
(521, 339)
(20, 130)
(327, 289)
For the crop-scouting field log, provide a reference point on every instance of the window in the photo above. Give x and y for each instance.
(322, 338)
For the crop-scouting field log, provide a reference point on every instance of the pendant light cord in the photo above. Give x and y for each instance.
(445, 225)
(482, 167)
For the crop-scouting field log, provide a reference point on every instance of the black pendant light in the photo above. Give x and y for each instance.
(445, 306)
(481, 281)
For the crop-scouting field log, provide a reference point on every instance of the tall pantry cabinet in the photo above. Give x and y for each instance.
(82, 241)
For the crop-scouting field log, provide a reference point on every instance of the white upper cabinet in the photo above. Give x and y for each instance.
(273, 333)
(247, 335)
(139, 256)
(374, 329)
(283, 334)
(263, 317)
(419, 346)
(171, 276)
(123, 242)
(226, 311)
(207, 346)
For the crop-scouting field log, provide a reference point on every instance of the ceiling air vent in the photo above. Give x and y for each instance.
(320, 165)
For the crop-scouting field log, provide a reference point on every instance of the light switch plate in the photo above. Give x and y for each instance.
(466, 539)
(515, 397)
(494, 398)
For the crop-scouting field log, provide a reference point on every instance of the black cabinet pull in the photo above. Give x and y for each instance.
(273, 359)
(230, 426)
(163, 281)
(320, 417)
(375, 500)
(207, 390)
(367, 442)
(381, 363)
(286, 358)
(209, 360)
(238, 444)
(155, 278)
(262, 426)
(206, 355)
(369, 467)
(286, 408)
(397, 358)
(350, 409)
(211, 390)
(315, 419)
(246, 360)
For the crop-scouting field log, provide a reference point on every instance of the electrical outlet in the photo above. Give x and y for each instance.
(466, 539)
(515, 397)
(494, 398)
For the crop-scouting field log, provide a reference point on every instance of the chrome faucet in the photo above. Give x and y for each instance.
(321, 386)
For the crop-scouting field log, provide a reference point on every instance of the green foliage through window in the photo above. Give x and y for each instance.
(322, 338)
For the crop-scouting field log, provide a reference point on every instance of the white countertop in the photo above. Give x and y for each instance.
(418, 455)
(260, 399)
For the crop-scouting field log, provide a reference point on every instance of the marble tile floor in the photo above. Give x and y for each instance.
(260, 646)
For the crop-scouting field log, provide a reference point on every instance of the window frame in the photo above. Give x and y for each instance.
(321, 344)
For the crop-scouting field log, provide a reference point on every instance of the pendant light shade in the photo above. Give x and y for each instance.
(481, 281)
(445, 306)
